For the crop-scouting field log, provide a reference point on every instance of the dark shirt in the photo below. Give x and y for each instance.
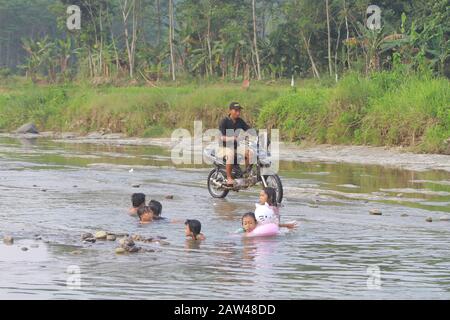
(228, 124)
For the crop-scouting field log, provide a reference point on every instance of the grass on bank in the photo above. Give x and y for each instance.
(385, 109)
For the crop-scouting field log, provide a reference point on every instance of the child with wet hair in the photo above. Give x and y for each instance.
(269, 196)
(193, 230)
(137, 202)
(156, 208)
(249, 223)
(145, 215)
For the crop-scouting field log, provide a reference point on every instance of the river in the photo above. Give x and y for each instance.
(52, 192)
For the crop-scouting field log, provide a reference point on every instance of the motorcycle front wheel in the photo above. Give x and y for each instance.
(220, 176)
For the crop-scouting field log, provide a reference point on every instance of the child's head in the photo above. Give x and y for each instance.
(193, 228)
(249, 222)
(138, 200)
(156, 207)
(268, 195)
(145, 214)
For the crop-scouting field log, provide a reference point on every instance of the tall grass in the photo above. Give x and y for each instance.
(388, 108)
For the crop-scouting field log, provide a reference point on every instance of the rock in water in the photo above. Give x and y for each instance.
(101, 235)
(445, 218)
(24, 249)
(120, 251)
(429, 219)
(111, 237)
(8, 240)
(28, 128)
(375, 212)
(86, 236)
(170, 197)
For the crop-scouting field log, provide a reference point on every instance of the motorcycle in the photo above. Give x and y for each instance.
(217, 178)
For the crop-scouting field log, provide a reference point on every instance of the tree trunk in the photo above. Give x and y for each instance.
(336, 52)
(255, 41)
(158, 13)
(348, 35)
(330, 68)
(126, 10)
(171, 38)
(311, 59)
(208, 40)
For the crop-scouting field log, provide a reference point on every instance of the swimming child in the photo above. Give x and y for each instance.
(248, 222)
(193, 230)
(156, 208)
(137, 201)
(145, 215)
(269, 196)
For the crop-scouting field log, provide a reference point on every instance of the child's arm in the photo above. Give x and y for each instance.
(176, 221)
(289, 225)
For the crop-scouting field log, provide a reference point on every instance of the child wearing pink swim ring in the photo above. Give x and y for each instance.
(269, 196)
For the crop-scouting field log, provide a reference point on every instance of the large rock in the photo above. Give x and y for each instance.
(101, 235)
(376, 212)
(28, 128)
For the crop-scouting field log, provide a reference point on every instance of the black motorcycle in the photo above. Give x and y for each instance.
(217, 178)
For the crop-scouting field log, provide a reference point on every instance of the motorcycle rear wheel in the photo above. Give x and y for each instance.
(274, 181)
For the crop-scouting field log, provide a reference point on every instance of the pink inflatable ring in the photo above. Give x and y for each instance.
(264, 230)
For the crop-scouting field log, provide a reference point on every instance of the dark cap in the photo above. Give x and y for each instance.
(235, 106)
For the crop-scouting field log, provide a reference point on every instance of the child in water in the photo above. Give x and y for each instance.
(156, 208)
(193, 230)
(145, 215)
(248, 222)
(269, 195)
(137, 202)
(150, 213)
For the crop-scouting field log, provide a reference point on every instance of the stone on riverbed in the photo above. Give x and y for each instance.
(88, 238)
(376, 212)
(101, 235)
(128, 245)
(27, 128)
(85, 236)
(111, 237)
(120, 250)
(24, 249)
(8, 240)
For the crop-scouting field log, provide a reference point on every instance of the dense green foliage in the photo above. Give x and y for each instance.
(216, 38)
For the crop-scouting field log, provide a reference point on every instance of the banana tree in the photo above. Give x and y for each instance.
(38, 52)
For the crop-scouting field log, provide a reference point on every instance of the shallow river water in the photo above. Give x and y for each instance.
(54, 192)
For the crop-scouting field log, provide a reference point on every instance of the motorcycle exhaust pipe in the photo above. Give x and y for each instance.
(216, 183)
